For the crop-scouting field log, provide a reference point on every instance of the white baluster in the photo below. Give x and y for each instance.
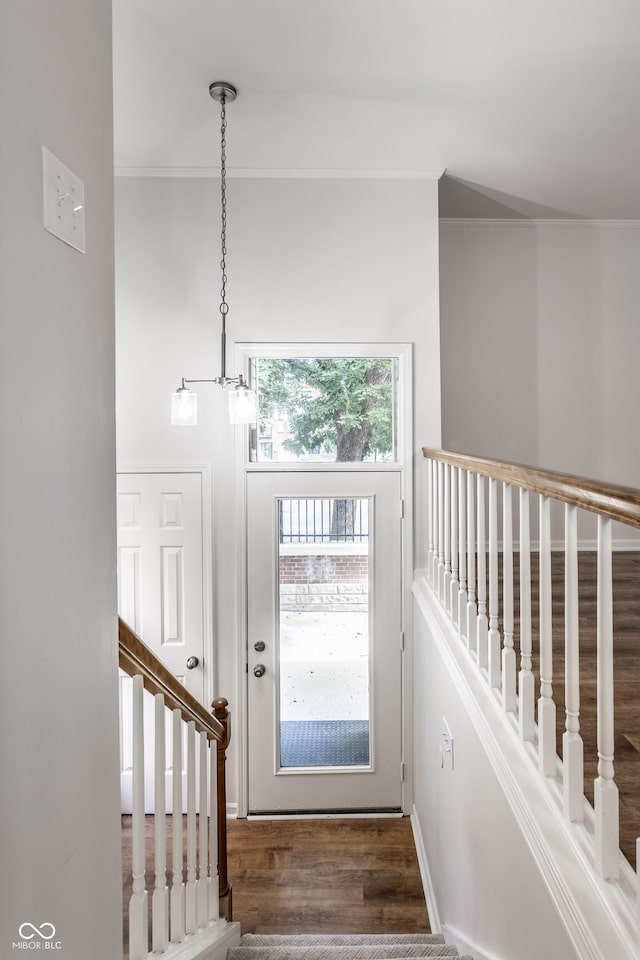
(138, 903)
(472, 610)
(441, 525)
(638, 888)
(508, 652)
(191, 899)
(454, 585)
(526, 680)
(494, 633)
(546, 706)
(606, 791)
(214, 887)
(160, 901)
(461, 618)
(203, 838)
(435, 524)
(572, 747)
(429, 517)
(177, 884)
(483, 653)
(446, 579)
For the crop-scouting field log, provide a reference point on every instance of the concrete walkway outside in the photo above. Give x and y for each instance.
(324, 665)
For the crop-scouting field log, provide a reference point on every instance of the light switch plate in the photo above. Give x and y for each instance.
(63, 196)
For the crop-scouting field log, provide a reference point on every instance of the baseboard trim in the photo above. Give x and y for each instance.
(521, 221)
(618, 545)
(465, 946)
(321, 815)
(425, 874)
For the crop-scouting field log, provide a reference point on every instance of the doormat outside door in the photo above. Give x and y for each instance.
(324, 743)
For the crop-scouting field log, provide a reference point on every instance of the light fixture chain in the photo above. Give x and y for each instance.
(224, 307)
(242, 400)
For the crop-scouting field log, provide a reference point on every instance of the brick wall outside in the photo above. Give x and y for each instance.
(324, 568)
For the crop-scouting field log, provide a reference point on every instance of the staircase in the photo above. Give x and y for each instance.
(393, 946)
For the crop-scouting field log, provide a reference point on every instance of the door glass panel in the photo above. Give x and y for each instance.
(325, 409)
(324, 636)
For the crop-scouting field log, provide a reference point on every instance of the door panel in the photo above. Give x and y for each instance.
(160, 592)
(324, 578)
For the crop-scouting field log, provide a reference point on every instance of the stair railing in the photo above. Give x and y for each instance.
(178, 910)
(463, 541)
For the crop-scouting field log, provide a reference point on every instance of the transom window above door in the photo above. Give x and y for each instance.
(325, 409)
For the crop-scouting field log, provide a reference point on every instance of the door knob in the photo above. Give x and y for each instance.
(259, 645)
(192, 663)
(259, 670)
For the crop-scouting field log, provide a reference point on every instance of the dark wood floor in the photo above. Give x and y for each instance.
(321, 876)
(314, 876)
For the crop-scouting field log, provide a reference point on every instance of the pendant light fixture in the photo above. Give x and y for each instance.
(242, 400)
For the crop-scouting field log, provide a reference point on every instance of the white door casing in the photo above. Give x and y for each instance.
(272, 788)
(160, 593)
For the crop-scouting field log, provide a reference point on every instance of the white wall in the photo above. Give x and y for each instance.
(60, 844)
(540, 321)
(491, 897)
(331, 260)
(488, 339)
(539, 335)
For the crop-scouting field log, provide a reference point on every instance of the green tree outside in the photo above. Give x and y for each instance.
(341, 407)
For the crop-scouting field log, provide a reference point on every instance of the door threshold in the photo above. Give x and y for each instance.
(387, 814)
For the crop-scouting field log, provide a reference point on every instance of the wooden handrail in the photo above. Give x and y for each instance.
(226, 899)
(607, 499)
(137, 659)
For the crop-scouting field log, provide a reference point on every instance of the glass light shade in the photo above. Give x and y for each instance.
(243, 405)
(184, 408)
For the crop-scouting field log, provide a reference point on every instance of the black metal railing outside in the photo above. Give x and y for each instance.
(323, 520)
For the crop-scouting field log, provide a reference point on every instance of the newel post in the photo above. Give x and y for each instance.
(220, 712)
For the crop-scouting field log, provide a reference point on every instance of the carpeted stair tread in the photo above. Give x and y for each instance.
(392, 951)
(336, 939)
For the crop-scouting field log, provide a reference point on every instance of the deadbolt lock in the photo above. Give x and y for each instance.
(259, 645)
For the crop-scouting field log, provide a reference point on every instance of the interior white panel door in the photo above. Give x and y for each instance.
(160, 593)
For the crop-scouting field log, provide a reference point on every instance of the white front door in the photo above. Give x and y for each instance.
(160, 591)
(325, 641)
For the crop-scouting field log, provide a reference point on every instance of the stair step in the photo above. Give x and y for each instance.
(392, 951)
(336, 939)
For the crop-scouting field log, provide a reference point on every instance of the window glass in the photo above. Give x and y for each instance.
(324, 637)
(325, 409)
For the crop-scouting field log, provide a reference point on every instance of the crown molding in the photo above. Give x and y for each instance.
(294, 174)
(522, 222)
